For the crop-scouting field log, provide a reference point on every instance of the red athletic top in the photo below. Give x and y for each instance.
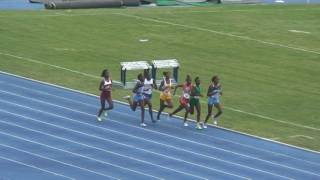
(186, 90)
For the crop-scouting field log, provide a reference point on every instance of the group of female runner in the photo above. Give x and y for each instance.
(189, 99)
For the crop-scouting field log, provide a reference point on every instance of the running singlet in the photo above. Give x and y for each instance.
(106, 89)
(197, 92)
(138, 97)
(140, 88)
(107, 85)
(167, 87)
(216, 90)
(147, 89)
(195, 100)
(186, 90)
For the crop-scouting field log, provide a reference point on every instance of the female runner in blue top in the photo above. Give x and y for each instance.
(214, 93)
(138, 98)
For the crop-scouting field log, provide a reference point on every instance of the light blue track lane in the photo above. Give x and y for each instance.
(55, 130)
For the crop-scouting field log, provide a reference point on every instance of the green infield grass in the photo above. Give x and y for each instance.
(268, 57)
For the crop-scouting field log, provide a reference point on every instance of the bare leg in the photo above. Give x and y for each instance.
(162, 106)
(141, 103)
(209, 113)
(177, 110)
(186, 114)
(148, 102)
(133, 105)
(198, 108)
(169, 103)
(103, 104)
(218, 106)
(110, 102)
(191, 109)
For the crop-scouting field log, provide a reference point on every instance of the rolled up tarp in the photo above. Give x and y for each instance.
(131, 2)
(82, 4)
(44, 1)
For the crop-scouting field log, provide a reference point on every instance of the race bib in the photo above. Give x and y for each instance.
(186, 95)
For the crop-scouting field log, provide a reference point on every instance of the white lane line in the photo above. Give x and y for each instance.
(201, 134)
(272, 119)
(132, 136)
(277, 138)
(65, 49)
(175, 137)
(126, 104)
(135, 137)
(226, 107)
(213, 147)
(303, 136)
(68, 152)
(50, 65)
(44, 157)
(54, 66)
(220, 33)
(230, 141)
(298, 31)
(134, 147)
(34, 167)
(110, 152)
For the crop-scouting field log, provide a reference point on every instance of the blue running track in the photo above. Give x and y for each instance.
(49, 132)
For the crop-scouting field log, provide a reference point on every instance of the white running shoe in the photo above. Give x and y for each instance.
(105, 114)
(185, 124)
(204, 125)
(215, 122)
(99, 118)
(143, 125)
(126, 97)
(198, 126)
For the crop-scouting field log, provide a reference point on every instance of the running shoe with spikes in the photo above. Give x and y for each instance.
(204, 126)
(105, 114)
(215, 122)
(126, 97)
(198, 126)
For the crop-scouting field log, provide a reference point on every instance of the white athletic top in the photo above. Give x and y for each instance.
(147, 89)
(107, 84)
(167, 86)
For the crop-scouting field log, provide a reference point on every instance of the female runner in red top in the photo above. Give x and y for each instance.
(105, 88)
(184, 99)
